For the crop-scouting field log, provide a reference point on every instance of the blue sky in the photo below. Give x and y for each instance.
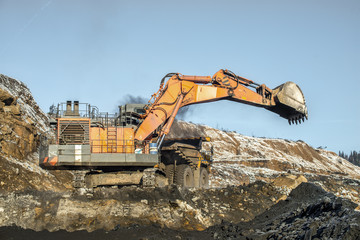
(100, 51)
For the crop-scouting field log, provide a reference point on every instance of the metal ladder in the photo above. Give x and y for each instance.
(111, 139)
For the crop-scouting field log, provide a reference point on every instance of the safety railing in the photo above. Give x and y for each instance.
(117, 146)
(112, 146)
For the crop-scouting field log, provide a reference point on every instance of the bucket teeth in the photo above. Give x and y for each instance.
(297, 119)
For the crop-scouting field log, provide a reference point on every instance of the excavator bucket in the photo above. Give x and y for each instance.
(290, 103)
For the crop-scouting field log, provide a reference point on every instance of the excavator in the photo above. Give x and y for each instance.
(131, 147)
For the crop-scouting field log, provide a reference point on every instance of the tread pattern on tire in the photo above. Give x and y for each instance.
(183, 171)
(204, 182)
(169, 172)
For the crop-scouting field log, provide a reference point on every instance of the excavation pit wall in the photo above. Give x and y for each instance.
(308, 212)
(171, 207)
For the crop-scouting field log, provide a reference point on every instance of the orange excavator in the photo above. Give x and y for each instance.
(130, 147)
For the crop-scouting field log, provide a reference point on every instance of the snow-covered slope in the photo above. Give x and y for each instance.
(273, 154)
(240, 159)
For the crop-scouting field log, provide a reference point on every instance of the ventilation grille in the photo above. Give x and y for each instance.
(73, 132)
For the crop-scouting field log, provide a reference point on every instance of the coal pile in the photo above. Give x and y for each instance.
(308, 213)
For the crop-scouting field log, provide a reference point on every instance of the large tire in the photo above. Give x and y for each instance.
(204, 178)
(169, 172)
(184, 176)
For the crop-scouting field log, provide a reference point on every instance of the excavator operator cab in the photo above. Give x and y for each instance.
(129, 114)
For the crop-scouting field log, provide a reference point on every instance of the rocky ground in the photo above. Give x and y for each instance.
(309, 212)
(171, 207)
(260, 189)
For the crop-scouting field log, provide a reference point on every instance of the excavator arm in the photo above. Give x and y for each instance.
(286, 100)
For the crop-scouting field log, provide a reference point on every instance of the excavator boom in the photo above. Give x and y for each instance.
(287, 100)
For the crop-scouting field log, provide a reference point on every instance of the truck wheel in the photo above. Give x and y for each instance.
(169, 172)
(204, 178)
(184, 176)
